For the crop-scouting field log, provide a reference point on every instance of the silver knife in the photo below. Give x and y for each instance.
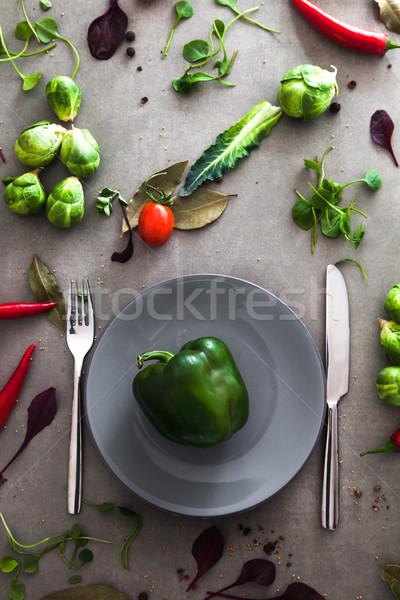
(337, 384)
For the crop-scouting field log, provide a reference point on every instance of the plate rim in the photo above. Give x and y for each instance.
(90, 357)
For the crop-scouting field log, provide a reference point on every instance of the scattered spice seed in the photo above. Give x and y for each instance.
(131, 51)
(352, 84)
(139, 69)
(335, 107)
(143, 596)
(130, 36)
(144, 100)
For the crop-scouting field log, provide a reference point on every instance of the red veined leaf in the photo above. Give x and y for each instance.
(381, 127)
(207, 549)
(258, 570)
(107, 32)
(41, 413)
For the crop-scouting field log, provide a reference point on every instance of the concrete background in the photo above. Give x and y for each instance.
(255, 239)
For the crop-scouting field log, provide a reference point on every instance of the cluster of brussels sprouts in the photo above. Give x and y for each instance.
(38, 145)
(306, 91)
(388, 380)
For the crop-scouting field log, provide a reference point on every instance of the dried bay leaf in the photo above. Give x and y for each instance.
(392, 576)
(88, 592)
(166, 180)
(389, 13)
(45, 289)
(202, 207)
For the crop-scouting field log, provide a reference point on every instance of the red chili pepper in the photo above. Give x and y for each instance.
(10, 392)
(352, 38)
(16, 310)
(392, 445)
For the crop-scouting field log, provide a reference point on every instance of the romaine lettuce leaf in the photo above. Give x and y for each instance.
(232, 145)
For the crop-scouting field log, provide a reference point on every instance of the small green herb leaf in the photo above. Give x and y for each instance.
(22, 31)
(330, 223)
(46, 29)
(302, 213)
(184, 11)
(30, 81)
(312, 164)
(86, 556)
(8, 564)
(75, 579)
(45, 4)
(373, 180)
(195, 50)
(16, 591)
(74, 532)
(31, 563)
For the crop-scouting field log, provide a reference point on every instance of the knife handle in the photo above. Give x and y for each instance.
(330, 485)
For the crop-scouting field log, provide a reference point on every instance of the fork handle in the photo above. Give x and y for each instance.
(330, 486)
(75, 448)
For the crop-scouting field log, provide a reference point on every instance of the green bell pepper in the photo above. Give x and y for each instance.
(196, 397)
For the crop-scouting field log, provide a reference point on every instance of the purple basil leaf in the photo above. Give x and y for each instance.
(207, 549)
(107, 32)
(381, 127)
(41, 413)
(258, 570)
(126, 254)
(295, 591)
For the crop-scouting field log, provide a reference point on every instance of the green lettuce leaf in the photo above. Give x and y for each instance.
(232, 145)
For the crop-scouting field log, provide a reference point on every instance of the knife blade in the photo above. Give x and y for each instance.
(337, 384)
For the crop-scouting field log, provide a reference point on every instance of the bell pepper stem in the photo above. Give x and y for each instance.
(161, 355)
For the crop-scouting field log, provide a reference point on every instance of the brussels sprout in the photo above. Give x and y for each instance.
(388, 385)
(64, 97)
(65, 205)
(392, 303)
(307, 91)
(390, 340)
(80, 152)
(37, 145)
(25, 194)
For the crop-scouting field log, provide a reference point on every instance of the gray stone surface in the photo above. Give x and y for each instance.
(255, 239)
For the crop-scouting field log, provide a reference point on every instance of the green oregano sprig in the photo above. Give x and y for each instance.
(322, 210)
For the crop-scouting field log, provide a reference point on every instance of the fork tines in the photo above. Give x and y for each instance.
(79, 304)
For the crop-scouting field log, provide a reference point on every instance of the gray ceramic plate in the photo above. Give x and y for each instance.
(281, 368)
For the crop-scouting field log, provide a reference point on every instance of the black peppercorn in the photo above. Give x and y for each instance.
(335, 107)
(131, 51)
(130, 36)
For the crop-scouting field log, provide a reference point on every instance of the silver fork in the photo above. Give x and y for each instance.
(80, 337)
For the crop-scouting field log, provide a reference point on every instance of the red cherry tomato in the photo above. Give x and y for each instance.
(156, 222)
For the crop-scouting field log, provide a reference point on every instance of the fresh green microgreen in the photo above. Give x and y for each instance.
(45, 4)
(339, 262)
(127, 513)
(32, 553)
(232, 5)
(200, 52)
(106, 198)
(47, 29)
(30, 81)
(322, 208)
(75, 579)
(184, 11)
